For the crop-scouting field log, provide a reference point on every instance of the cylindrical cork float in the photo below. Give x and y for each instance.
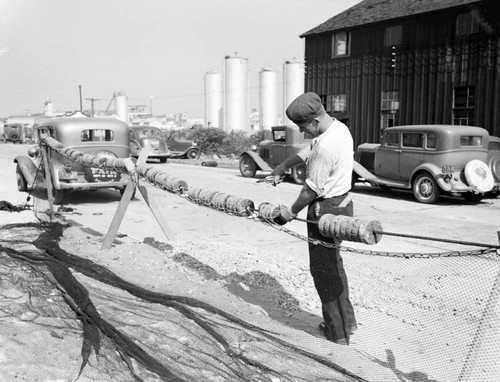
(221, 201)
(350, 229)
(338, 227)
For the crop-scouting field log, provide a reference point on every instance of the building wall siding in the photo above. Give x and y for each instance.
(430, 63)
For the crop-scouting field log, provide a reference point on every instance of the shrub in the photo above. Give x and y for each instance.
(212, 140)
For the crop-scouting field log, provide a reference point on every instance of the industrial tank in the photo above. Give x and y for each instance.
(293, 84)
(213, 99)
(268, 98)
(121, 106)
(236, 108)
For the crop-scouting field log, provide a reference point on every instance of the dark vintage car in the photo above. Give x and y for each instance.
(13, 133)
(151, 137)
(104, 137)
(430, 160)
(286, 141)
(182, 148)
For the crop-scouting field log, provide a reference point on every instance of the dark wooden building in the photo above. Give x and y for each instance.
(398, 62)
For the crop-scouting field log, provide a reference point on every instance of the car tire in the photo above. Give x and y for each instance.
(479, 175)
(192, 154)
(299, 173)
(22, 185)
(248, 167)
(472, 197)
(426, 189)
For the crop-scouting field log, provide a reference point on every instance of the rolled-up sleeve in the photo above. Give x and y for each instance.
(319, 169)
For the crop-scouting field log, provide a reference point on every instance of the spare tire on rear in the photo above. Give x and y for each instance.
(478, 174)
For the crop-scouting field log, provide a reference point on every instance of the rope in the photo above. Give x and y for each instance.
(472, 243)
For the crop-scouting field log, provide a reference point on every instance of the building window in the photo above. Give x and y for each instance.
(337, 103)
(463, 105)
(340, 44)
(390, 100)
(389, 109)
(393, 35)
(466, 24)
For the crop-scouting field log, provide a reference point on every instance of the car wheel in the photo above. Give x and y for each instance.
(192, 154)
(426, 189)
(299, 173)
(22, 185)
(58, 195)
(248, 167)
(472, 197)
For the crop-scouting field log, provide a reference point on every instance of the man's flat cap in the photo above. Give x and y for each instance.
(304, 108)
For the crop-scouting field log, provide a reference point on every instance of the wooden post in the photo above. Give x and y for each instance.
(154, 205)
(158, 211)
(48, 182)
(122, 207)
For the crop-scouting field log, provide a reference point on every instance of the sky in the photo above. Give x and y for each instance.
(156, 51)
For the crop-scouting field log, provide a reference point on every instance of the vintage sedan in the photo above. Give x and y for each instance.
(182, 148)
(102, 137)
(151, 137)
(430, 160)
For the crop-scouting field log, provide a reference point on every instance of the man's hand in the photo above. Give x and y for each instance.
(284, 216)
(278, 174)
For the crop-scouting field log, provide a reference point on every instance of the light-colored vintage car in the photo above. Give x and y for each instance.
(430, 160)
(103, 137)
(151, 137)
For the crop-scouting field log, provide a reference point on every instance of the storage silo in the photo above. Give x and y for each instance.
(293, 85)
(268, 98)
(121, 106)
(236, 108)
(213, 99)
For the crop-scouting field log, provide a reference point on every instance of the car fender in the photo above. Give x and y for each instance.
(437, 173)
(261, 164)
(29, 169)
(55, 167)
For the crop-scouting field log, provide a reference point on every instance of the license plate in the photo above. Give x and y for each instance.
(103, 175)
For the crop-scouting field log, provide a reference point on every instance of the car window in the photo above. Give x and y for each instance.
(279, 135)
(391, 140)
(97, 135)
(494, 146)
(471, 140)
(431, 141)
(413, 140)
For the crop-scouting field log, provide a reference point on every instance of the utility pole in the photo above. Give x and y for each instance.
(92, 100)
(80, 88)
(151, 105)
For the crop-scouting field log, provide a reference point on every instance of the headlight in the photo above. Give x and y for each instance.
(253, 147)
(33, 152)
(195, 144)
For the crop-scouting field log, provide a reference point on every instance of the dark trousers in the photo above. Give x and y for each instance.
(327, 270)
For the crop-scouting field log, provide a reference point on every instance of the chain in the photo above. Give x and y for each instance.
(252, 215)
